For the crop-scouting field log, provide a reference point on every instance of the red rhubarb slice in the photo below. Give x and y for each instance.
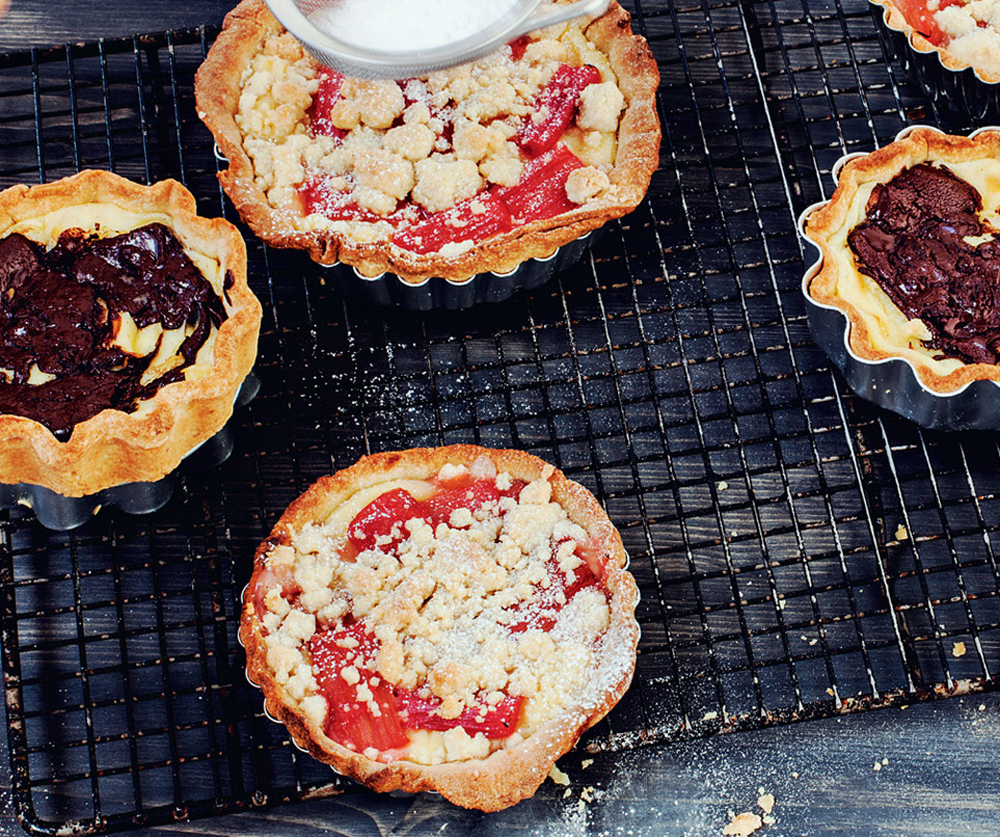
(476, 494)
(541, 192)
(475, 219)
(518, 47)
(382, 514)
(921, 18)
(555, 106)
(326, 97)
(350, 722)
(497, 722)
(378, 518)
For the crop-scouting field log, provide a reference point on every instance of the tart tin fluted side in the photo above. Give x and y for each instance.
(946, 80)
(60, 513)
(434, 293)
(893, 383)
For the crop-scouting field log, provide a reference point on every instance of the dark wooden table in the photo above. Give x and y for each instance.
(926, 770)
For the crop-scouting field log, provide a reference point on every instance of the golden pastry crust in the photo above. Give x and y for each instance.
(895, 19)
(506, 776)
(115, 447)
(217, 88)
(827, 221)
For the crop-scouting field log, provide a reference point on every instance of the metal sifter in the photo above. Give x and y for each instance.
(404, 38)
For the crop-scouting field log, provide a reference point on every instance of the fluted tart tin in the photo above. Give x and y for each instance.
(436, 293)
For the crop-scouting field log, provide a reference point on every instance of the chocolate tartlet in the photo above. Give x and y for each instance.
(446, 619)
(126, 331)
(470, 170)
(911, 260)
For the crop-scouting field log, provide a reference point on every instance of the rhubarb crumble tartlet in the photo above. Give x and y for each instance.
(473, 169)
(127, 331)
(910, 259)
(446, 619)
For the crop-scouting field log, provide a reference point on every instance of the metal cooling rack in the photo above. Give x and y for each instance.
(671, 372)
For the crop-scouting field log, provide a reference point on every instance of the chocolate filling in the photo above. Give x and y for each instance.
(58, 309)
(913, 244)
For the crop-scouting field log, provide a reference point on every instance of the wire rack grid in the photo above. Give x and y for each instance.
(799, 553)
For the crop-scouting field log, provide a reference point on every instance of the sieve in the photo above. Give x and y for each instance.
(398, 39)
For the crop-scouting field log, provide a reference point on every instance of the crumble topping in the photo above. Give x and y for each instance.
(425, 145)
(583, 184)
(444, 603)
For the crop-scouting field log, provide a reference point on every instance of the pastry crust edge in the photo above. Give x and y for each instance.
(505, 777)
(880, 166)
(115, 447)
(217, 91)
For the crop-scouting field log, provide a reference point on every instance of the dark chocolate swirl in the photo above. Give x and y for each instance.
(913, 244)
(58, 309)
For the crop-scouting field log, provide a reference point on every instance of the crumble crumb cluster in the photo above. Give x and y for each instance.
(441, 602)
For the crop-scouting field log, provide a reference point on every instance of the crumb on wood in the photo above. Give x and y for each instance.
(743, 825)
(567, 793)
(958, 649)
(710, 716)
(587, 794)
(557, 776)
(901, 533)
(723, 485)
(765, 801)
(586, 763)
(877, 766)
